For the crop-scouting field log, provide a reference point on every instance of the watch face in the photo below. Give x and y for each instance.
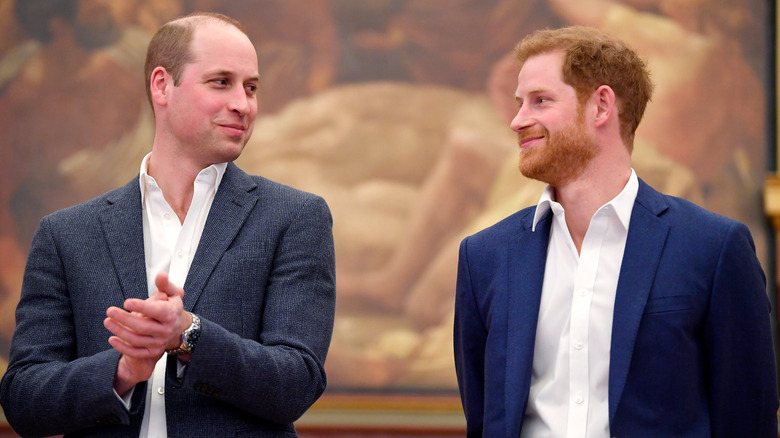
(189, 338)
(186, 340)
(191, 335)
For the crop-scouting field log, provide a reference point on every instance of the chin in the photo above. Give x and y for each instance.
(232, 151)
(227, 158)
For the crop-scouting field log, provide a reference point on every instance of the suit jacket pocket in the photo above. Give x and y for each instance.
(248, 249)
(674, 303)
(233, 296)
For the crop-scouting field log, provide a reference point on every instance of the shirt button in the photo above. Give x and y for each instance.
(583, 292)
(578, 399)
(167, 216)
(161, 390)
(180, 254)
(578, 345)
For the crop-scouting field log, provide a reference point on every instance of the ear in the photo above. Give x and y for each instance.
(604, 99)
(159, 83)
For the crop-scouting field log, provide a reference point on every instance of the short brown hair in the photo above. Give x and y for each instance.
(170, 45)
(593, 58)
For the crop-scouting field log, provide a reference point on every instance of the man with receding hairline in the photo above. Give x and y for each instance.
(608, 309)
(195, 301)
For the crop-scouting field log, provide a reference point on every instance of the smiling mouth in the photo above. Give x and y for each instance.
(234, 129)
(526, 142)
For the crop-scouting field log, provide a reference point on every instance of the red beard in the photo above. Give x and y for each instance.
(562, 158)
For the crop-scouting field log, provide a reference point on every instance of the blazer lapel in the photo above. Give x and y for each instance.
(644, 245)
(527, 254)
(123, 230)
(230, 209)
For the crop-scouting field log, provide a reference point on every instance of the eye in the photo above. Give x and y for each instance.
(251, 89)
(541, 99)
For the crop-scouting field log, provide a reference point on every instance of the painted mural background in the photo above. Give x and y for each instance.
(397, 112)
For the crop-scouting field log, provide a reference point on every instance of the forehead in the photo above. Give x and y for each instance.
(220, 46)
(542, 71)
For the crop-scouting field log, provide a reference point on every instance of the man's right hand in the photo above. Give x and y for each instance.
(143, 330)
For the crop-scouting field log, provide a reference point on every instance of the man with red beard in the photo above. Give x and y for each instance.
(608, 309)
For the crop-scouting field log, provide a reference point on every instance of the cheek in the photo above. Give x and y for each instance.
(253, 109)
(209, 107)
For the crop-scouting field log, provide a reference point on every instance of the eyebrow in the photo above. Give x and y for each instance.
(539, 90)
(231, 73)
(534, 92)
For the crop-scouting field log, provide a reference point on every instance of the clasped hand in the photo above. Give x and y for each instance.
(144, 329)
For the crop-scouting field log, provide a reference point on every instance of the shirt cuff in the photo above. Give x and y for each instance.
(180, 367)
(127, 399)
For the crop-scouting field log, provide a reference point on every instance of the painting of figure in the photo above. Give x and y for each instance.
(397, 113)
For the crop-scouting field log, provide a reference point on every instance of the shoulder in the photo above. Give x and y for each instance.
(692, 232)
(282, 192)
(279, 199)
(508, 229)
(682, 214)
(264, 187)
(129, 194)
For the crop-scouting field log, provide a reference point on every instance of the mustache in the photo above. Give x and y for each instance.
(532, 133)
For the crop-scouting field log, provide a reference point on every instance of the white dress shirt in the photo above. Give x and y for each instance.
(570, 381)
(169, 246)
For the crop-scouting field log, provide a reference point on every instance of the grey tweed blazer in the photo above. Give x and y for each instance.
(262, 281)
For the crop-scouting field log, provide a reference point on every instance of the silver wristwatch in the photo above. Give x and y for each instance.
(188, 339)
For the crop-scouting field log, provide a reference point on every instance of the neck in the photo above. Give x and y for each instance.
(582, 197)
(176, 180)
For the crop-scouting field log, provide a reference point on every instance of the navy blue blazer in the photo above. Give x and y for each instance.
(262, 281)
(691, 352)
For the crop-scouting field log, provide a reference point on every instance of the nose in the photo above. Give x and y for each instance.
(521, 120)
(240, 102)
